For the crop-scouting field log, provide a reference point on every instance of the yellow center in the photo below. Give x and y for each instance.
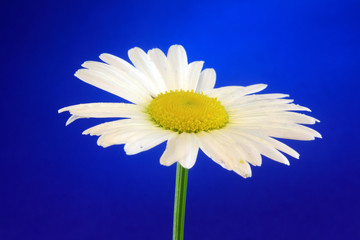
(185, 111)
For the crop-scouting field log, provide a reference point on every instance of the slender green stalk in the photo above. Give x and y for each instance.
(180, 201)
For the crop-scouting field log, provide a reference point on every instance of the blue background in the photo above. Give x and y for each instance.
(57, 184)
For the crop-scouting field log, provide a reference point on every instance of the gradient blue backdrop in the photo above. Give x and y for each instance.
(57, 184)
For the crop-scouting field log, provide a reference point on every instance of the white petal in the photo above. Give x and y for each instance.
(253, 89)
(290, 127)
(243, 169)
(238, 155)
(71, 119)
(305, 134)
(111, 85)
(298, 118)
(278, 129)
(228, 94)
(223, 92)
(220, 149)
(240, 91)
(252, 154)
(117, 137)
(146, 140)
(272, 153)
(119, 75)
(272, 117)
(103, 110)
(194, 74)
(269, 107)
(131, 72)
(207, 80)
(283, 147)
(167, 158)
(159, 59)
(238, 100)
(211, 148)
(261, 138)
(183, 149)
(177, 68)
(126, 135)
(257, 105)
(264, 147)
(113, 126)
(142, 62)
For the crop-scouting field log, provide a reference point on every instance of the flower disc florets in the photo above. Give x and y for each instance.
(187, 111)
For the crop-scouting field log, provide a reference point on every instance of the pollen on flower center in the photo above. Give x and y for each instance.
(187, 111)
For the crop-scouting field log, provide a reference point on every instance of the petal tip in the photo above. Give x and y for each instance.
(285, 161)
(246, 175)
(102, 143)
(105, 56)
(85, 64)
(78, 73)
(86, 132)
(133, 50)
(61, 110)
(185, 165)
(176, 46)
(166, 164)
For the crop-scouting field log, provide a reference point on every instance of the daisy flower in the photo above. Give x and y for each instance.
(175, 101)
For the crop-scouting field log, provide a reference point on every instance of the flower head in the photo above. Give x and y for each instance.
(175, 101)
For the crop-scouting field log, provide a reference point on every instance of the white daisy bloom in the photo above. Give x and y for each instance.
(175, 101)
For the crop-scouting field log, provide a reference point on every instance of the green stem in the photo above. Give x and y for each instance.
(180, 200)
